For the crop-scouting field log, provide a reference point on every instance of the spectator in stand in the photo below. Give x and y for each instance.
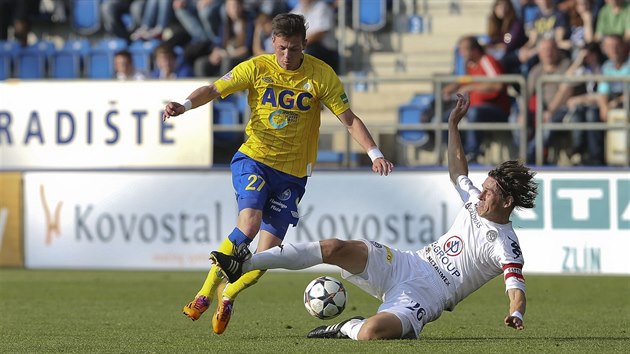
(112, 12)
(271, 7)
(124, 68)
(552, 62)
(550, 23)
(506, 33)
(16, 14)
(156, 16)
(581, 27)
(320, 33)
(489, 101)
(235, 42)
(587, 145)
(262, 43)
(200, 18)
(613, 18)
(618, 65)
(168, 65)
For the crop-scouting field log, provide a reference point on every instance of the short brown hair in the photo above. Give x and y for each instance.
(289, 25)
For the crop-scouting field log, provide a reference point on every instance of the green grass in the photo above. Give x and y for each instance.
(131, 312)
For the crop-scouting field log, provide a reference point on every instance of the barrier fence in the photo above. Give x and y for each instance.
(519, 126)
(542, 126)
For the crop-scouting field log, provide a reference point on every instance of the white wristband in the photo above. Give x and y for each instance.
(187, 104)
(517, 314)
(374, 153)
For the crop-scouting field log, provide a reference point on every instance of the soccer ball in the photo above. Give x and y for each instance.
(325, 297)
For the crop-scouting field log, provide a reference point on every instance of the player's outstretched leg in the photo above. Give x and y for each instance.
(202, 300)
(230, 266)
(332, 331)
(225, 308)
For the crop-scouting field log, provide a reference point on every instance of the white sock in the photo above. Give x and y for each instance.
(352, 328)
(290, 256)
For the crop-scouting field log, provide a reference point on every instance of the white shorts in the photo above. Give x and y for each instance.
(404, 283)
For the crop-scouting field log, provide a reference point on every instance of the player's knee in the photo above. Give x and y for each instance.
(371, 330)
(332, 248)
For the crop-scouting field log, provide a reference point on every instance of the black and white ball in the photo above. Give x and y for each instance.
(325, 297)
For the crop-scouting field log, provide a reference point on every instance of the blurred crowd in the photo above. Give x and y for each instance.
(205, 38)
(198, 38)
(549, 37)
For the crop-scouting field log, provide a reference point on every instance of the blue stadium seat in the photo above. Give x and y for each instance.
(100, 63)
(32, 61)
(85, 16)
(66, 65)
(8, 54)
(460, 66)
(410, 114)
(226, 113)
(329, 156)
(80, 45)
(239, 100)
(70, 59)
(142, 52)
(372, 15)
(112, 44)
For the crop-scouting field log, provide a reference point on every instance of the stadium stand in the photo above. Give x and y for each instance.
(409, 141)
(101, 57)
(404, 51)
(142, 52)
(8, 55)
(85, 16)
(33, 60)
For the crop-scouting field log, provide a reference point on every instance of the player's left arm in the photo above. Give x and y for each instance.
(512, 265)
(517, 308)
(361, 135)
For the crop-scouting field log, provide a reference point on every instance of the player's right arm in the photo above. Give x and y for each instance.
(517, 308)
(197, 98)
(457, 164)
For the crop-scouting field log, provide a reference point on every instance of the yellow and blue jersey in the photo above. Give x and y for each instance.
(283, 129)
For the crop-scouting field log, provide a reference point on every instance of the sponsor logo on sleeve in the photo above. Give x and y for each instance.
(227, 76)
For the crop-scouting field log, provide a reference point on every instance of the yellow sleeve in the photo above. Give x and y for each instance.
(238, 79)
(333, 94)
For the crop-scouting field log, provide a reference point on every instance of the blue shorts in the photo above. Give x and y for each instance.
(261, 187)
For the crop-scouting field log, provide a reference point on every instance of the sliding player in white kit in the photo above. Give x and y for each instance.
(415, 287)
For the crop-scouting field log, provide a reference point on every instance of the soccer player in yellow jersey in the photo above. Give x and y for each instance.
(270, 170)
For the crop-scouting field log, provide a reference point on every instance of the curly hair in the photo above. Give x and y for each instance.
(516, 180)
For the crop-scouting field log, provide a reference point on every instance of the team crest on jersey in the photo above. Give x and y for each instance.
(307, 86)
(285, 195)
(280, 118)
(227, 76)
(453, 246)
(491, 235)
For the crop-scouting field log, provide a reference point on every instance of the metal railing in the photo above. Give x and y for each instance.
(542, 126)
(522, 99)
(438, 126)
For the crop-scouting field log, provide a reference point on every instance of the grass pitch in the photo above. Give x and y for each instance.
(132, 312)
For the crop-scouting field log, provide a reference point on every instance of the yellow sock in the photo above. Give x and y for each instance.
(248, 279)
(214, 277)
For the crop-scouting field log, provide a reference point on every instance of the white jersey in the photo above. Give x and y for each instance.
(473, 251)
